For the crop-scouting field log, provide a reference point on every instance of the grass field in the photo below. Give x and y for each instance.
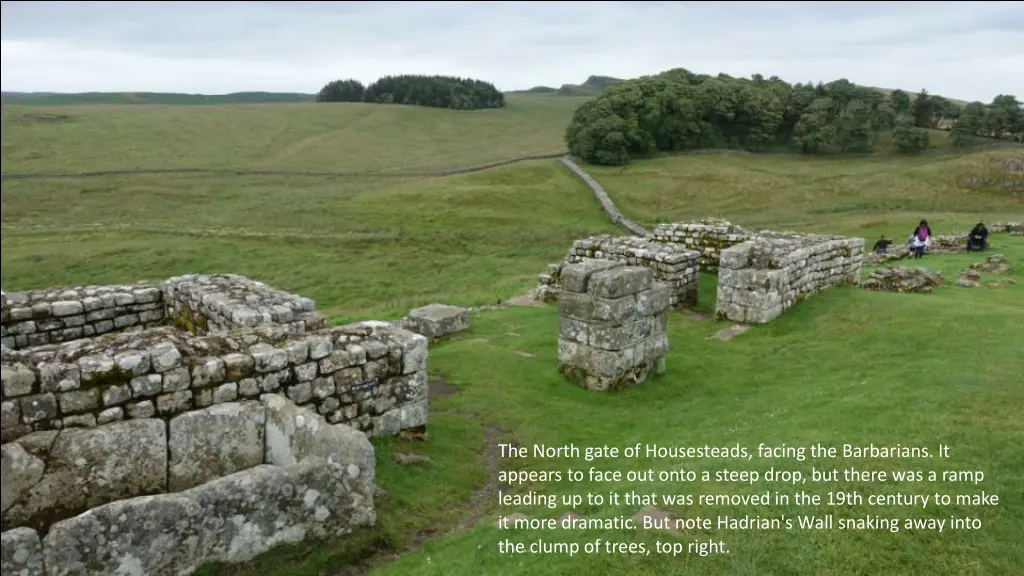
(846, 366)
(329, 137)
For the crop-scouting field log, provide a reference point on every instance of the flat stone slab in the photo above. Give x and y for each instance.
(438, 320)
(728, 333)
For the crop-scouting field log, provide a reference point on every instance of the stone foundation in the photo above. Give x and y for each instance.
(145, 496)
(201, 304)
(369, 375)
(670, 264)
(768, 274)
(709, 237)
(1012, 228)
(612, 324)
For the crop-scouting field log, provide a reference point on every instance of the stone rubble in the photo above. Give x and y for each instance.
(902, 279)
(993, 263)
(612, 324)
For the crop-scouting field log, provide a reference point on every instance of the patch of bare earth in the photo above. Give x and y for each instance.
(479, 503)
(438, 387)
(691, 316)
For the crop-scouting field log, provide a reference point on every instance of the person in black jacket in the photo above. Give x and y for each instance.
(882, 246)
(977, 239)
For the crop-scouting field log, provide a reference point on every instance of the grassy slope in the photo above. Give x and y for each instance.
(357, 247)
(857, 196)
(846, 366)
(337, 137)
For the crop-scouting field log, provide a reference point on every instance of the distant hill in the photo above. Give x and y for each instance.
(592, 86)
(51, 98)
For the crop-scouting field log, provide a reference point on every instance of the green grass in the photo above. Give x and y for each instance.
(854, 196)
(846, 366)
(342, 137)
(358, 247)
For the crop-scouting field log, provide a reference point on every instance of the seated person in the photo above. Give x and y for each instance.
(882, 246)
(977, 238)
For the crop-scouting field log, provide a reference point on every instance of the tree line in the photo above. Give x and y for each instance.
(680, 110)
(432, 91)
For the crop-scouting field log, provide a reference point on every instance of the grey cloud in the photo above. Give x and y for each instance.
(228, 46)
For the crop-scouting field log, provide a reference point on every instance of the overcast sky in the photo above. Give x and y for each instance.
(967, 50)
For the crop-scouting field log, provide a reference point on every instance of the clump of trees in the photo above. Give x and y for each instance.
(432, 91)
(680, 110)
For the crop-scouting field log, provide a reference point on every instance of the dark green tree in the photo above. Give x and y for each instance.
(907, 137)
(341, 91)
(435, 92)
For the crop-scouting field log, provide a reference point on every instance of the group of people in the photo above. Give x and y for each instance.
(921, 240)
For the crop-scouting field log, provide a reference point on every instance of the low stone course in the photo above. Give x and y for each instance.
(370, 375)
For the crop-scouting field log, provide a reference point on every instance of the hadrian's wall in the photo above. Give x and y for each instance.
(369, 375)
(669, 263)
(148, 496)
(760, 278)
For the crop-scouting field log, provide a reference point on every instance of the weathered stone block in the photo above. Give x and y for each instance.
(214, 442)
(575, 278)
(608, 343)
(438, 320)
(618, 282)
(21, 553)
(86, 467)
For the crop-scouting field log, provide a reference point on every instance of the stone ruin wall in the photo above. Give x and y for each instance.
(93, 427)
(145, 496)
(42, 317)
(369, 375)
(709, 237)
(762, 277)
(670, 264)
(204, 304)
(197, 303)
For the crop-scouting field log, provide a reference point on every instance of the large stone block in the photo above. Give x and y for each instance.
(21, 553)
(87, 467)
(438, 320)
(231, 519)
(215, 442)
